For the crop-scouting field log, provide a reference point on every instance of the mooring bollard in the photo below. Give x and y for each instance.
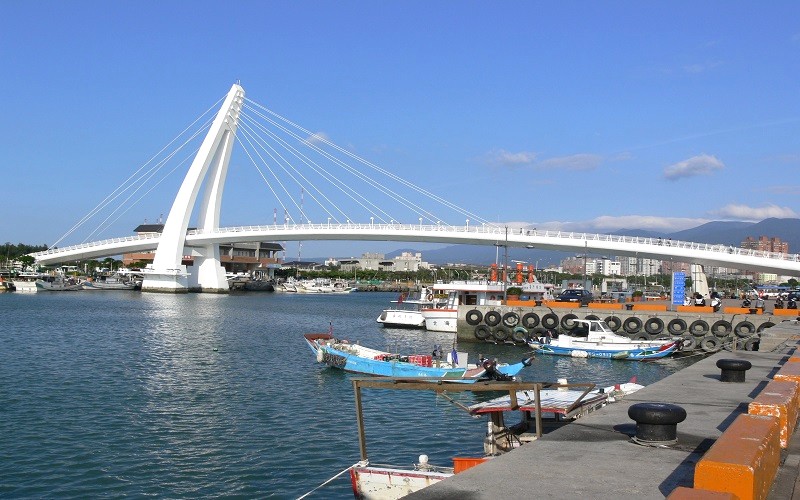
(733, 369)
(656, 423)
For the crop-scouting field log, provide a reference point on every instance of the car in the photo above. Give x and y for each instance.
(575, 295)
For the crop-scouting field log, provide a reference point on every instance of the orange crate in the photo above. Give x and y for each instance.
(461, 464)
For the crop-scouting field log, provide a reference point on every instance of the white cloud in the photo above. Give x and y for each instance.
(609, 224)
(744, 212)
(318, 138)
(697, 165)
(701, 67)
(503, 158)
(583, 161)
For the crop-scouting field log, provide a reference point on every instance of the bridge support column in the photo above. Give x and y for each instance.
(166, 273)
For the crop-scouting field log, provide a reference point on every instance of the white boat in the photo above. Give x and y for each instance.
(407, 313)
(109, 283)
(321, 285)
(594, 339)
(474, 293)
(58, 284)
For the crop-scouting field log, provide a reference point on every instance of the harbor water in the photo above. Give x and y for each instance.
(202, 395)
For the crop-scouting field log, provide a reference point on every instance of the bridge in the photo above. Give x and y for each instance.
(209, 169)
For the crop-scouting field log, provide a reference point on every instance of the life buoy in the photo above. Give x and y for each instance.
(568, 321)
(592, 317)
(550, 321)
(676, 326)
(698, 328)
(721, 328)
(482, 332)
(500, 333)
(654, 326)
(710, 344)
(614, 323)
(492, 318)
(632, 325)
(430, 296)
(474, 317)
(744, 329)
(510, 319)
(530, 320)
(519, 334)
(764, 326)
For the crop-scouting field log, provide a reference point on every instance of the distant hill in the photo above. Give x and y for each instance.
(724, 232)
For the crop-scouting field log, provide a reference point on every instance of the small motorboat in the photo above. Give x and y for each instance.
(594, 339)
(454, 367)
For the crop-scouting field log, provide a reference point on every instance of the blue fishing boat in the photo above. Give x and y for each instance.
(594, 339)
(454, 366)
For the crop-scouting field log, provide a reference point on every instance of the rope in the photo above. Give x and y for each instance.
(363, 463)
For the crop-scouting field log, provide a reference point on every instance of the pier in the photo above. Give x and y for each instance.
(595, 457)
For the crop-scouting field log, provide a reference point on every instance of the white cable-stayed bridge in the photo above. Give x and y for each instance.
(342, 188)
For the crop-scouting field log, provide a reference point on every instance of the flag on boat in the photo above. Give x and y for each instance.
(454, 356)
(401, 298)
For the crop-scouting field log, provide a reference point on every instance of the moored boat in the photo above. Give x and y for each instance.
(407, 313)
(594, 339)
(356, 358)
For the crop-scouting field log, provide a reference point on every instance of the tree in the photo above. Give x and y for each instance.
(26, 260)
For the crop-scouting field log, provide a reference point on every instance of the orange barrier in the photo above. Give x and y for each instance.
(740, 310)
(460, 464)
(696, 309)
(521, 303)
(649, 307)
(744, 460)
(605, 305)
(778, 399)
(785, 312)
(566, 305)
(790, 372)
(684, 493)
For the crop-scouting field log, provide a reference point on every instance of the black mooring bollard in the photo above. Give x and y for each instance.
(733, 369)
(656, 423)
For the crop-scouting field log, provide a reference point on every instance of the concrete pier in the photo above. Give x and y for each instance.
(594, 456)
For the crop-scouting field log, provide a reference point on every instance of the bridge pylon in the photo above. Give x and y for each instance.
(210, 165)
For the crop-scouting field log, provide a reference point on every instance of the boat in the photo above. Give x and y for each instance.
(58, 284)
(356, 358)
(474, 293)
(408, 311)
(595, 339)
(110, 283)
(559, 403)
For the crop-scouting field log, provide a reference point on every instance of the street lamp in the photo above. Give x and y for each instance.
(467, 225)
(371, 221)
(329, 222)
(420, 223)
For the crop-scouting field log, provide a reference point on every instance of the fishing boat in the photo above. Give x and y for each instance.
(594, 339)
(407, 312)
(453, 368)
(110, 283)
(58, 284)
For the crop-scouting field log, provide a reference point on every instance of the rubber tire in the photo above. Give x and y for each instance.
(721, 328)
(510, 319)
(539, 331)
(614, 323)
(701, 331)
(530, 320)
(628, 325)
(518, 334)
(752, 344)
(659, 326)
(751, 329)
(688, 343)
(500, 333)
(482, 332)
(710, 344)
(592, 317)
(550, 321)
(764, 326)
(568, 322)
(677, 322)
(492, 318)
(474, 317)
(641, 336)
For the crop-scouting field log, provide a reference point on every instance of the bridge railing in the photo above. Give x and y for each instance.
(499, 232)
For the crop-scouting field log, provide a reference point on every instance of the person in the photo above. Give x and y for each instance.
(760, 303)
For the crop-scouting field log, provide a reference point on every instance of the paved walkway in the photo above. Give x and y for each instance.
(594, 456)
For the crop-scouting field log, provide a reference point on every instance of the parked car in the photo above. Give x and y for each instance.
(576, 295)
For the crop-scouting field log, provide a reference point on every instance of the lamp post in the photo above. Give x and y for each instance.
(371, 221)
(420, 223)
(467, 225)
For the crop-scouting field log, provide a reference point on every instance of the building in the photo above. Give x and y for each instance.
(259, 257)
(766, 244)
(405, 262)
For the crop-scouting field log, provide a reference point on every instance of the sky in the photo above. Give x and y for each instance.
(587, 116)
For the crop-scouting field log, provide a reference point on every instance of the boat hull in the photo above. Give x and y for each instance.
(441, 320)
(384, 483)
(631, 352)
(399, 318)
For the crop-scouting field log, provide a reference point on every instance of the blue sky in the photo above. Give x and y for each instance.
(590, 116)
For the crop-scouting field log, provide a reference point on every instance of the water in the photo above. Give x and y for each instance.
(199, 395)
